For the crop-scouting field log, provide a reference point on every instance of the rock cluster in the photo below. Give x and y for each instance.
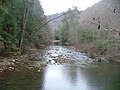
(25, 60)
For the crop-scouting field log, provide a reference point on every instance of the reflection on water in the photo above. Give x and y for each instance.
(61, 78)
(70, 76)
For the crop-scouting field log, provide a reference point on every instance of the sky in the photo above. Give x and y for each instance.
(57, 6)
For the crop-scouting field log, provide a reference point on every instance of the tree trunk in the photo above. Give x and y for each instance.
(5, 45)
(23, 30)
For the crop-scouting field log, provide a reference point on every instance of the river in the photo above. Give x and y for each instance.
(75, 71)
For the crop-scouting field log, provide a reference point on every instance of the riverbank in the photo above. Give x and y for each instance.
(99, 54)
(10, 60)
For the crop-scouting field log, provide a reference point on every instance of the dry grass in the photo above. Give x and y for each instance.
(95, 52)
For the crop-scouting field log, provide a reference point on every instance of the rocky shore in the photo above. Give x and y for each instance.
(11, 60)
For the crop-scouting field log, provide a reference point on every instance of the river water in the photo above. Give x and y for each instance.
(78, 73)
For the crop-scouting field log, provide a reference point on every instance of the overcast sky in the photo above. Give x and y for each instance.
(56, 6)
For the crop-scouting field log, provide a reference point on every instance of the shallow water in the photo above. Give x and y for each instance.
(80, 73)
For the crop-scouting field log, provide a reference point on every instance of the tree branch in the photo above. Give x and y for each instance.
(47, 23)
(109, 30)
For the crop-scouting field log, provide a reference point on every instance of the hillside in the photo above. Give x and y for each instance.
(107, 12)
(103, 20)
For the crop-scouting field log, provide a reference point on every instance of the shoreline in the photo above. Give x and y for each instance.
(25, 60)
(99, 54)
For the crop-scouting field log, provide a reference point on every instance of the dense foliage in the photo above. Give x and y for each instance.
(19, 21)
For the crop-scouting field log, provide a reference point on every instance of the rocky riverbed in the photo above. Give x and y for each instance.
(52, 55)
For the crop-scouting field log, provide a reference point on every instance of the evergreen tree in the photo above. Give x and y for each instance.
(19, 21)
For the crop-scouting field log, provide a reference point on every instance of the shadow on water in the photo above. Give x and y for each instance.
(103, 77)
(21, 80)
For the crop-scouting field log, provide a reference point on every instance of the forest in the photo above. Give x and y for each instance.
(20, 25)
(71, 50)
(21, 28)
(24, 29)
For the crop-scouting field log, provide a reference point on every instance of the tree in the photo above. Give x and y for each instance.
(19, 19)
(69, 27)
(8, 27)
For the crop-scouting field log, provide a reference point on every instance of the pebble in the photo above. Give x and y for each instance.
(11, 68)
(13, 60)
(38, 70)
